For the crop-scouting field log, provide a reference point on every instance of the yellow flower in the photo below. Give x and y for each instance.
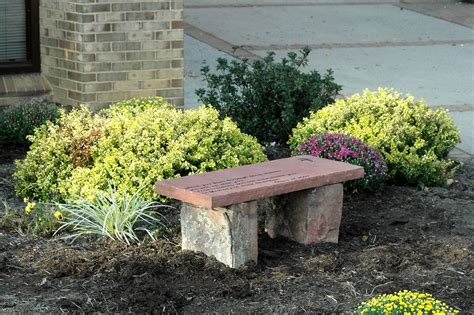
(59, 216)
(26, 200)
(406, 303)
(29, 207)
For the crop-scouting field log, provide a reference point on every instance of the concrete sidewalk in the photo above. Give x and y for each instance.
(426, 49)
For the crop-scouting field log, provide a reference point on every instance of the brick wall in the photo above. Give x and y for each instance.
(101, 51)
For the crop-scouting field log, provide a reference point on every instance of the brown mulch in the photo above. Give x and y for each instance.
(397, 238)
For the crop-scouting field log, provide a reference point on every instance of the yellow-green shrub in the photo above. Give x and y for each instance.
(54, 151)
(413, 138)
(130, 144)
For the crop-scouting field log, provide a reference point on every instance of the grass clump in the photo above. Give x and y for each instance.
(37, 218)
(117, 216)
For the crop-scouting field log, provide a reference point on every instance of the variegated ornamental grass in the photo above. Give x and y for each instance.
(114, 215)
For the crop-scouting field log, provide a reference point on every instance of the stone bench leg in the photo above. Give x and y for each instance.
(308, 216)
(229, 234)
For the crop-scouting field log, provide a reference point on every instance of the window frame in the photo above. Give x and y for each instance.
(33, 63)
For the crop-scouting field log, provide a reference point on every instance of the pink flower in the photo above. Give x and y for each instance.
(344, 152)
(345, 148)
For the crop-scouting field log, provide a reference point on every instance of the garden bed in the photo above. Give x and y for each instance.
(398, 238)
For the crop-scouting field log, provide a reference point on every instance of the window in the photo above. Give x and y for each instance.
(19, 36)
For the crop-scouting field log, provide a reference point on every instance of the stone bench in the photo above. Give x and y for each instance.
(219, 213)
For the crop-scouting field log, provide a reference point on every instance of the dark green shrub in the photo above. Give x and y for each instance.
(19, 121)
(267, 99)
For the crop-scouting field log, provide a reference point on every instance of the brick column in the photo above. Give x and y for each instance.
(229, 234)
(102, 51)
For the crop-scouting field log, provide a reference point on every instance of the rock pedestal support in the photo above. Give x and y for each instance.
(229, 234)
(308, 216)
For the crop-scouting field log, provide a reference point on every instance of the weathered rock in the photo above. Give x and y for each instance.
(229, 234)
(308, 216)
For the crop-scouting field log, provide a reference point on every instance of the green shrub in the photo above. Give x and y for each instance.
(130, 144)
(267, 99)
(341, 147)
(118, 217)
(19, 121)
(404, 302)
(413, 138)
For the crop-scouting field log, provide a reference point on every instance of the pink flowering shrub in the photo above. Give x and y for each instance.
(341, 147)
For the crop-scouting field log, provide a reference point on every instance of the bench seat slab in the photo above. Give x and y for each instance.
(308, 216)
(229, 234)
(256, 181)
